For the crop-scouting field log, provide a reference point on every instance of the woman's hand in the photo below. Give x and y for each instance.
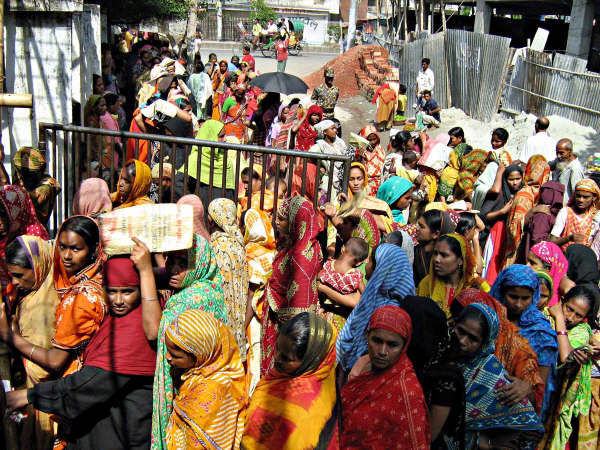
(343, 197)
(140, 255)
(581, 356)
(361, 366)
(515, 392)
(579, 238)
(16, 400)
(542, 209)
(330, 210)
(506, 208)
(556, 310)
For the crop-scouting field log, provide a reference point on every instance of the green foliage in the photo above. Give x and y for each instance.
(334, 32)
(261, 11)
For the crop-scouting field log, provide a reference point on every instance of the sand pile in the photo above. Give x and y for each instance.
(345, 66)
(586, 140)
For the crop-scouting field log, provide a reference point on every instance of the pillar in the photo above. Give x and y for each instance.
(483, 16)
(580, 28)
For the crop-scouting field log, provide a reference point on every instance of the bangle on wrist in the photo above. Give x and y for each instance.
(562, 333)
(151, 299)
(31, 352)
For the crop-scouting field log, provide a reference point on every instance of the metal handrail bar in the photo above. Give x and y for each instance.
(191, 141)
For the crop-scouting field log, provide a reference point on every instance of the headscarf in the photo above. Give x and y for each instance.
(201, 290)
(120, 345)
(322, 126)
(199, 223)
(551, 194)
(230, 254)
(543, 275)
(511, 349)
(373, 159)
(484, 374)
(292, 287)
(306, 135)
(302, 404)
(140, 187)
(551, 254)
(507, 193)
(93, 197)
(583, 264)
(281, 141)
(36, 311)
(391, 190)
(259, 239)
(20, 213)
(371, 395)
(90, 107)
(209, 131)
(533, 325)
(210, 404)
(470, 167)
(389, 283)
(436, 289)
(82, 305)
(588, 185)
(366, 177)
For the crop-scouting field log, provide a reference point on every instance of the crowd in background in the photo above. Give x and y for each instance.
(447, 298)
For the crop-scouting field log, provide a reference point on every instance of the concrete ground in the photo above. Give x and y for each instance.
(302, 65)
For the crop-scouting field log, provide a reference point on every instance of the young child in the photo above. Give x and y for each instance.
(341, 281)
(402, 99)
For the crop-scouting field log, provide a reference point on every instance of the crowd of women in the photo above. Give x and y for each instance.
(447, 299)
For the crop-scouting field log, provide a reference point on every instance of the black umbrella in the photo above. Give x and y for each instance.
(280, 82)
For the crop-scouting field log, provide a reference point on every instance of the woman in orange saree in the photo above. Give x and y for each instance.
(537, 173)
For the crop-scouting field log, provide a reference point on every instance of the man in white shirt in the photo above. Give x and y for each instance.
(540, 143)
(197, 43)
(569, 171)
(425, 80)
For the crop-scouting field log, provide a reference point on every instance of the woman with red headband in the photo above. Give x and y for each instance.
(384, 406)
(108, 401)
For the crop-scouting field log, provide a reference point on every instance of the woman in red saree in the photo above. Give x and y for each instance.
(372, 158)
(384, 406)
(292, 288)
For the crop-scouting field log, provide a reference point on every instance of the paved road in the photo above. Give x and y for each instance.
(302, 65)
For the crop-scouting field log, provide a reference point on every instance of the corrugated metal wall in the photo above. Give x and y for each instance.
(477, 66)
(545, 85)
(469, 69)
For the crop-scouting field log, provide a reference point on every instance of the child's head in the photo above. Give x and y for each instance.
(282, 189)
(122, 284)
(357, 249)
(402, 89)
(409, 160)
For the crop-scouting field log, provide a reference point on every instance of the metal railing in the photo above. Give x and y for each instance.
(69, 150)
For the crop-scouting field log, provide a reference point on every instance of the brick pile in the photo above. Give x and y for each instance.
(374, 71)
(347, 66)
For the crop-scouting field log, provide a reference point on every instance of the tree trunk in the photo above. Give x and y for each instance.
(351, 23)
(219, 6)
(378, 12)
(190, 34)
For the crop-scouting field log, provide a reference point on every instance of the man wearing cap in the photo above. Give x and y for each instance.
(234, 110)
(326, 95)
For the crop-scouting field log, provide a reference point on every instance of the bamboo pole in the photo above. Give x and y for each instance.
(378, 12)
(16, 100)
(2, 57)
(443, 11)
